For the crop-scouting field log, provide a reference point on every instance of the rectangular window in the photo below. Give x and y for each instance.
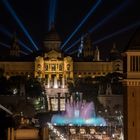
(135, 63)
(131, 63)
(139, 63)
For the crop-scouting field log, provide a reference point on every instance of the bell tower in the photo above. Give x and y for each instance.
(87, 50)
(15, 49)
(131, 86)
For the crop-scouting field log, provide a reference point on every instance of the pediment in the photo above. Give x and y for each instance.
(53, 54)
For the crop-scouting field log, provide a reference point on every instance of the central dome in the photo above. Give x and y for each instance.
(52, 40)
(52, 35)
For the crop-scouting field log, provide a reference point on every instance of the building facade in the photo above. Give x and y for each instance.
(57, 69)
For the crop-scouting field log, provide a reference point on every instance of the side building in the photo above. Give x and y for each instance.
(131, 86)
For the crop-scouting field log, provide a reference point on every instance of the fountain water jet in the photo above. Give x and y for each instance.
(79, 113)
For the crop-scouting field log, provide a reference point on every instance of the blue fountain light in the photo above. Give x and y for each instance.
(79, 113)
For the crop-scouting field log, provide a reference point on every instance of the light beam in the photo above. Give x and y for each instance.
(117, 32)
(8, 46)
(5, 45)
(7, 33)
(115, 12)
(12, 12)
(100, 23)
(113, 34)
(82, 22)
(52, 12)
(6, 110)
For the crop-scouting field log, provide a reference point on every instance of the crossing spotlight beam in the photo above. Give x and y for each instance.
(7, 46)
(14, 15)
(6, 110)
(52, 12)
(103, 21)
(82, 22)
(117, 32)
(7, 33)
(122, 30)
(4, 45)
(75, 43)
(115, 12)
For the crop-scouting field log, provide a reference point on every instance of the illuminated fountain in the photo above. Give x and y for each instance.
(79, 113)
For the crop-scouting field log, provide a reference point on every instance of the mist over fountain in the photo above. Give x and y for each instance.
(79, 112)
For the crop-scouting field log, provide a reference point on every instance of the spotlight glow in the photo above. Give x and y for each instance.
(82, 22)
(117, 32)
(12, 12)
(113, 34)
(52, 12)
(8, 46)
(5, 45)
(77, 41)
(115, 12)
(7, 33)
(100, 23)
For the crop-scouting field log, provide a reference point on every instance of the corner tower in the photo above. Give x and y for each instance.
(131, 85)
(15, 49)
(87, 50)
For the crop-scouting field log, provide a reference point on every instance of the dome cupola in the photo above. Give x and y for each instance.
(52, 40)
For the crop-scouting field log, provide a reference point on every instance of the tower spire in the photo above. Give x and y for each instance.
(87, 50)
(15, 49)
(97, 54)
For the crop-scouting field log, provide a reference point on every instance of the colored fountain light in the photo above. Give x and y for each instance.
(79, 113)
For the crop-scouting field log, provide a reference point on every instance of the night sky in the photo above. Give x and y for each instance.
(69, 13)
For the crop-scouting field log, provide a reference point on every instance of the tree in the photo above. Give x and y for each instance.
(33, 88)
(86, 86)
(3, 85)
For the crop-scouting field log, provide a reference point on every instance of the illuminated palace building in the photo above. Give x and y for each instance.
(56, 69)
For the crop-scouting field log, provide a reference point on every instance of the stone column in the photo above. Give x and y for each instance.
(59, 106)
(45, 134)
(9, 134)
(63, 82)
(12, 134)
(50, 103)
(48, 82)
(55, 82)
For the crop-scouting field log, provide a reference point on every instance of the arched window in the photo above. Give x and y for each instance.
(53, 67)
